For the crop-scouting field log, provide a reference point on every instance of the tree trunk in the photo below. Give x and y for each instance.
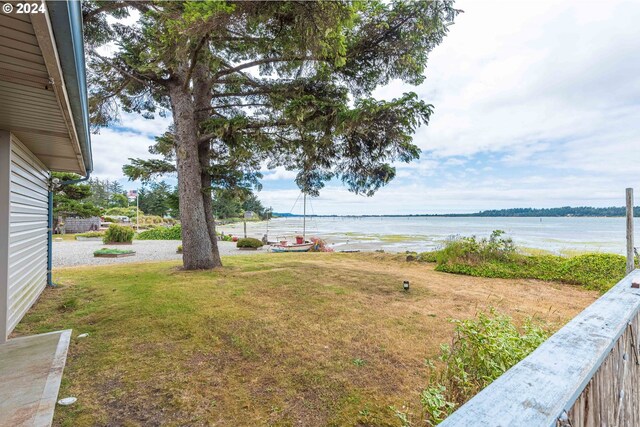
(196, 242)
(202, 100)
(207, 201)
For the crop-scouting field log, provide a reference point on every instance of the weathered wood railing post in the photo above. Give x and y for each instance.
(630, 254)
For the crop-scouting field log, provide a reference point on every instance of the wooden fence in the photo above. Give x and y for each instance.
(586, 374)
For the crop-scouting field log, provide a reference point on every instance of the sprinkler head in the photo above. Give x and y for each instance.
(405, 285)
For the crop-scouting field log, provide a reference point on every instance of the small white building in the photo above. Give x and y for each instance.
(44, 127)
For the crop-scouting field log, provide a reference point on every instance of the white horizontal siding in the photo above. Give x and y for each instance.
(28, 210)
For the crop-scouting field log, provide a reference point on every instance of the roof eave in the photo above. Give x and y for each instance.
(66, 22)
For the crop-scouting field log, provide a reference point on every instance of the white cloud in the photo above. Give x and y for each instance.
(278, 173)
(113, 146)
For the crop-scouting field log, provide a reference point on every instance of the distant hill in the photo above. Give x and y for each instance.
(580, 211)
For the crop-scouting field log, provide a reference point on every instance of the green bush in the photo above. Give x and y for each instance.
(594, 271)
(129, 212)
(431, 256)
(472, 249)
(435, 406)
(483, 348)
(162, 233)
(150, 219)
(497, 257)
(109, 219)
(91, 234)
(118, 234)
(249, 242)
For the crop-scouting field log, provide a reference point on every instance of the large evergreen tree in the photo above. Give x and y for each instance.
(288, 83)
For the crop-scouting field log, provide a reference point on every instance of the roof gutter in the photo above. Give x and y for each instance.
(66, 21)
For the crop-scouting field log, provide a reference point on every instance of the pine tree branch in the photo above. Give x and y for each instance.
(109, 7)
(257, 125)
(253, 104)
(194, 59)
(246, 65)
(140, 78)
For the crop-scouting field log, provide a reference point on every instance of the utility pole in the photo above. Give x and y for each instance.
(630, 246)
(137, 211)
(304, 217)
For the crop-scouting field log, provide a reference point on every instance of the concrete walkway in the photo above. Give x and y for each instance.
(31, 370)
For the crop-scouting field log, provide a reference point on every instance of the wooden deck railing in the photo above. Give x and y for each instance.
(586, 374)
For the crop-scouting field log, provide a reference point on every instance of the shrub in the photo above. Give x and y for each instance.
(162, 233)
(594, 271)
(249, 242)
(497, 257)
(110, 251)
(435, 405)
(129, 212)
(483, 348)
(179, 248)
(91, 234)
(150, 219)
(118, 234)
(109, 219)
(431, 256)
(474, 250)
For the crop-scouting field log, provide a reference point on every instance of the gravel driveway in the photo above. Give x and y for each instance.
(74, 252)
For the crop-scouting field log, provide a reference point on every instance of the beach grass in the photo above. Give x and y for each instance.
(310, 339)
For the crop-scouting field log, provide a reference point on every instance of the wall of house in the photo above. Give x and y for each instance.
(5, 179)
(23, 260)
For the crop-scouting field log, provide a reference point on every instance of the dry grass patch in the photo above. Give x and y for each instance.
(272, 339)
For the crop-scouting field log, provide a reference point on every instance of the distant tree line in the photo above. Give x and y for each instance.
(580, 211)
(562, 211)
(97, 196)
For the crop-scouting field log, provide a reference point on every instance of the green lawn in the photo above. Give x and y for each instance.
(272, 339)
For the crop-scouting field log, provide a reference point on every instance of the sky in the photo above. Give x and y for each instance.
(537, 104)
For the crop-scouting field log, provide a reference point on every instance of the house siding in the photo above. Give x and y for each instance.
(28, 212)
(5, 179)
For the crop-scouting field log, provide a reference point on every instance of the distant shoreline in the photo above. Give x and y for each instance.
(562, 212)
(276, 216)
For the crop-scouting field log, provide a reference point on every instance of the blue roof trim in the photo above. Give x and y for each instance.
(66, 20)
